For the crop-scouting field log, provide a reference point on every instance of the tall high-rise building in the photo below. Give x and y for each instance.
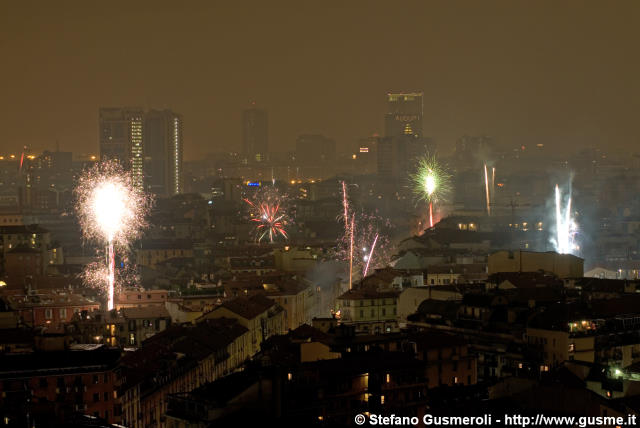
(404, 141)
(121, 139)
(255, 134)
(404, 114)
(163, 152)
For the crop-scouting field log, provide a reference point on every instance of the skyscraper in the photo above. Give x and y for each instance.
(163, 152)
(121, 139)
(255, 134)
(404, 114)
(404, 141)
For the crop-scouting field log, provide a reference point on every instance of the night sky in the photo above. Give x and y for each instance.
(563, 73)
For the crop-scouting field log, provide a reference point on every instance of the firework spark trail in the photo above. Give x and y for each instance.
(493, 184)
(353, 219)
(345, 205)
(430, 214)
(110, 209)
(111, 275)
(486, 186)
(566, 228)
(373, 246)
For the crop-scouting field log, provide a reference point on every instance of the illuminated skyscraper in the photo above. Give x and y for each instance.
(121, 139)
(163, 152)
(255, 134)
(404, 141)
(404, 114)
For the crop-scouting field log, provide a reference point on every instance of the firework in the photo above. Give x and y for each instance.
(370, 256)
(365, 243)
(566, 227)
(349, 228)
(431, 183)
(486, 187)
(353, 219)
(268, 215)
(110, 210)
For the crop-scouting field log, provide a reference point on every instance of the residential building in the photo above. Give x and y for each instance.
(48, 388)
(50, 308)
(562, 265)
(370, 311)
(163, 146)
(141, 298)
(121, 138)
(260, 315)
(142, 323)
(179, 359)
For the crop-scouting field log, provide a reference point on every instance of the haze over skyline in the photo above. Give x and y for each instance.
(559, 73)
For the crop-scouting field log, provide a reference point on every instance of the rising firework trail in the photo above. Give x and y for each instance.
(111, 210)
(493, 184)
(373, 246)
(353, 219)
(486, 189)
(430, 183)
(566, 228)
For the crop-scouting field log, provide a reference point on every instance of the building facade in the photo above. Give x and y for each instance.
(255, 134)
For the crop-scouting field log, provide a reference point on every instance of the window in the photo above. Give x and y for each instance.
(373, 313)
(106, 396)
(361, 313)
(48, 314)
(96, 397)
(384, 311)
(43, 382)
(96, 380)
(132, 339)
(63, 313)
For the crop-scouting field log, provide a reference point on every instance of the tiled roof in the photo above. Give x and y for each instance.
(249, 307)
(145, 312)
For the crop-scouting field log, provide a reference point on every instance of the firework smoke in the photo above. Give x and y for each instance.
(110, 210)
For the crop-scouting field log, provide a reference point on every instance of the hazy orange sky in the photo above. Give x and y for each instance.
(565, 73)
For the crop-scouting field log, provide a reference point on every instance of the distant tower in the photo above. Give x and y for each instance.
(255, 134)
(404, 114)
(163, 152)
(121, 138)
(404, 141)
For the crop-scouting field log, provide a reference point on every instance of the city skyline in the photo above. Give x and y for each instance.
(537, 82)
